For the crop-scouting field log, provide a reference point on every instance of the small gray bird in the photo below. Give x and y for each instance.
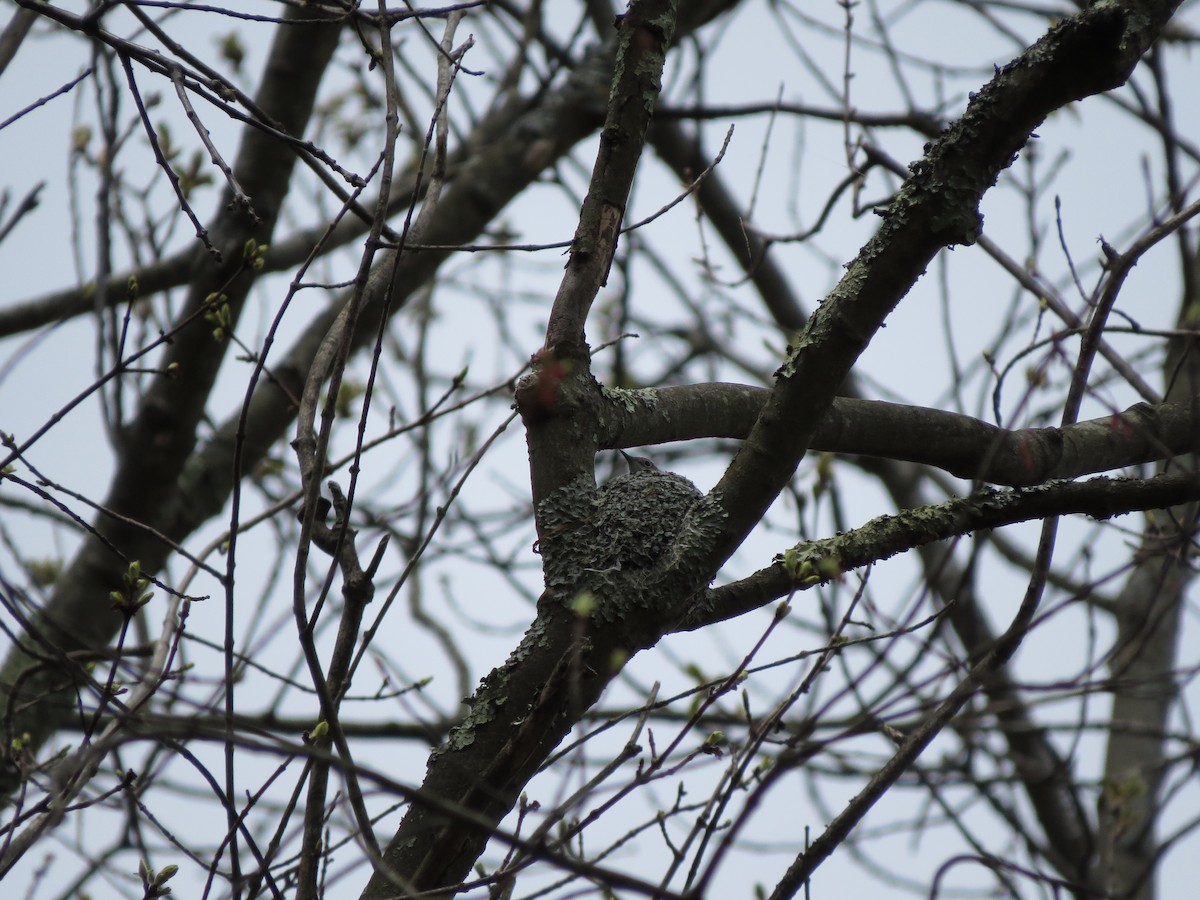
(607, 535)
(639, 516)
(638, 464)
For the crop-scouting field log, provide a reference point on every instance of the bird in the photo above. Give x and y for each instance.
(639, 515)
(615, 541)
(639, 465)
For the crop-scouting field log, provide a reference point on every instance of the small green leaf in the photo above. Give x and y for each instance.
(582, 604)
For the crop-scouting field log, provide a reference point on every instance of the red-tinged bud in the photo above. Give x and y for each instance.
(537, 394)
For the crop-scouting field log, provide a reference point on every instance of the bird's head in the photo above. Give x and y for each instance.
(638, 464)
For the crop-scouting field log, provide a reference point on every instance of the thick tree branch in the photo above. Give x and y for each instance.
(882, 538)
(961, 445)
(937, 207)
(562, 664)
